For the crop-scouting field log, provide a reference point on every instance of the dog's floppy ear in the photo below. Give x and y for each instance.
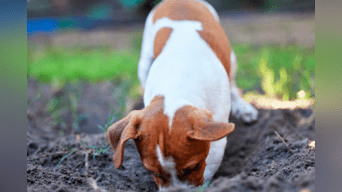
(120, 132)
(204, 128)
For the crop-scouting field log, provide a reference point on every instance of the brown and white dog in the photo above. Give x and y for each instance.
(187, 72)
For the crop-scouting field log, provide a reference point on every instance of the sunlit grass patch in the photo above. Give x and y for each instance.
(281, 71)
(266, 102)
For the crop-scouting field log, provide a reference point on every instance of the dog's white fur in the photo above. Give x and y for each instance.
(168, 165)
(188, 72)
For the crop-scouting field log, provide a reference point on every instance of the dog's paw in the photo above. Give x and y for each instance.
(245, 111)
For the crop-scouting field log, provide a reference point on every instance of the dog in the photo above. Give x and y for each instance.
(187, 72)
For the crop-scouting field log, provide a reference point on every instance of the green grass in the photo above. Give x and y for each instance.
(281, 71)
(60, 65)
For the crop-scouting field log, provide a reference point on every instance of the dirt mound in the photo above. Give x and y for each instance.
(256, 158)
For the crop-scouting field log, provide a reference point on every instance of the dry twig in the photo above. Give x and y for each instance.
(77, 165)
(283, 141)
(86, 163)
(91, 181)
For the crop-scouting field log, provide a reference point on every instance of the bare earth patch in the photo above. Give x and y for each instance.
(256, 158)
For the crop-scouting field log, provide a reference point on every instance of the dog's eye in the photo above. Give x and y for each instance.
(188, 170)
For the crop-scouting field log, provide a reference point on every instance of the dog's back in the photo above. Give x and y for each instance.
(190, 53)
(193, 10)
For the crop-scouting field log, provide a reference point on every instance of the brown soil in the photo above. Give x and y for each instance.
(256, 159)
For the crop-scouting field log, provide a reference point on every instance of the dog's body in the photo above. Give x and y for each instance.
(187, 72)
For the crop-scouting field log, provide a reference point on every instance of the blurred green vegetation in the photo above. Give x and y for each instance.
(281, 71)
(58, 65)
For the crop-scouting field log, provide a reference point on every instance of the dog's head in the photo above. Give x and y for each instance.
(175, 155)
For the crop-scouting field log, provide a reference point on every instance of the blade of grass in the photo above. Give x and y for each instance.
(78, 120)
(65, 156)
(34, 100)
(85, 145)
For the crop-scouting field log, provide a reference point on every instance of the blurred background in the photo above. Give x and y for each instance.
(83, 57)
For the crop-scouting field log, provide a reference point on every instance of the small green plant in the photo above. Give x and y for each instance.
(73, 150)
(56, 109)
(78, 120)
(96, 151)
(67, 100)
(281, 85)
(269, 86)
(111, 119)
(267, 76)
(121, 95)
(99, 151)
(73, 100)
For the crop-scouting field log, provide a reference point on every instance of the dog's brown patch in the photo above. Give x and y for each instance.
(160, 40)
(193, 10)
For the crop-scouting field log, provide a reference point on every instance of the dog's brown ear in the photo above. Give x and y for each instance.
(204, 128)
(120, 132)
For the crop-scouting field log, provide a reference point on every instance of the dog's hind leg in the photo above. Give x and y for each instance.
(240, 108)
(146, 55)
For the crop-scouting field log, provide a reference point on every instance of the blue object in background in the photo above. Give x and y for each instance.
(53, 24)
(41, 25)
(50, 25)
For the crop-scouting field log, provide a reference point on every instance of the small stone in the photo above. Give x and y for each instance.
(305, 141)
(312, 144)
